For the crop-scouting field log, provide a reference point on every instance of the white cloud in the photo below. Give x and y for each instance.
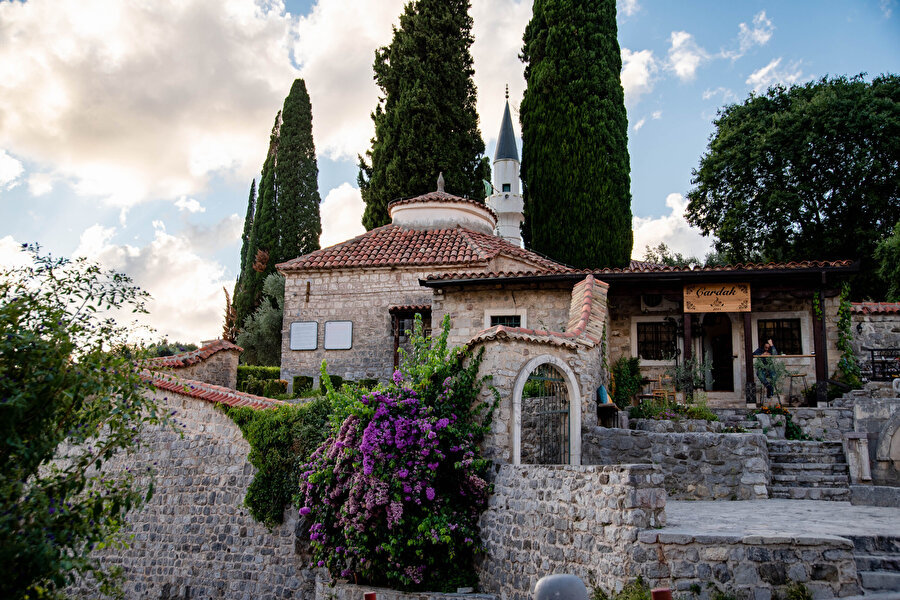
(11, 254)
(497, 28)
(887, 7)
(656, 115)
(685, 56)
(726, 94)
(189, 204)
(341, 212)
(757, 34)
(639, 124)
(10, 170)
(771, 74)
(335, 46)
(638, 69)
(187, 302)
(40, 184)
(628, 7)
(671, 229)
(138, 100)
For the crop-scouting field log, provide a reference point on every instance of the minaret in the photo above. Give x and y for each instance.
(507, 200)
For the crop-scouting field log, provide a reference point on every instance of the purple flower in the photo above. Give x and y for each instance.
(321, 563)
(305, 510)
(397, 377)
(429, 493)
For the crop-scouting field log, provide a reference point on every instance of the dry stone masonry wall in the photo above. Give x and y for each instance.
(697, 466)
(195, 539)
(565, 519)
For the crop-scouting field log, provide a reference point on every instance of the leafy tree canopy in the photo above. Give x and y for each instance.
(425, 122)
(575, 164)
(888, 257)
(261, 336)
(806, 172)
(663, 255)
(67, 405)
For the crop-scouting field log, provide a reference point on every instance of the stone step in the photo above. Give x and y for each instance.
(877, 562)
(875, 596)
(806, 467)
(805, 447)
(784, 457)
(809, 493)
(811, 480)
(879, 581)
(875, 544)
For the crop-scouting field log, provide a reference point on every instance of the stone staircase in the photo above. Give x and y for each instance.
(808, 470)
(877, 565)
(738, 417)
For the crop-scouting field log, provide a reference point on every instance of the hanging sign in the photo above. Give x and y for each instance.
(716, 297)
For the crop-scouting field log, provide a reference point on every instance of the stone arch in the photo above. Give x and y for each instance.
(574, 406)
(888, 447)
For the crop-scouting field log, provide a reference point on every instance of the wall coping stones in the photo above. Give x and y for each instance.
(342, 590)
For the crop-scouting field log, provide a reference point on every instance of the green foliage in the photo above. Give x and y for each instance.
(241, 297)
(575, 164)
(261, 335)
(887, 254)
(668, 410)
(281, 439)
(425, 121)
(806, 172)
(166, 348)
(247, 372)
(297, 179)
(302, 383)
(798, 591)
(847, 364)
(336, 382)
(776, 370)
(636, 589)
(628, 379)
(792, 431)
(662, 255)
(64, 395)
(690, 375)
(393, 497)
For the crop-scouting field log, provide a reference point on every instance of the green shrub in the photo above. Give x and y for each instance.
(245, 373)
(281, 439)
(798, 591)
(367, 384)
(633, 590)
(627, 377)
(336, 382)
(302, 383)
(275, 387)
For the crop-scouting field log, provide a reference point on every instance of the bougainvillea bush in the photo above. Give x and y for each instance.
(393, 497)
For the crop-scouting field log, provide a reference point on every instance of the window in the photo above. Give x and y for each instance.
(507, 187)
(506, 320)
(655, 340)
(785, 334)
(304, 335)
(338, 335)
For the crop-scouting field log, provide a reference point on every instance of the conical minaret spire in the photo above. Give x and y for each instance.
(506, 200)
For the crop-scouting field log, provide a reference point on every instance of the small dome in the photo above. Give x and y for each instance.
(440, 210)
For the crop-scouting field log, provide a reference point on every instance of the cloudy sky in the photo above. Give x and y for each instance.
(130, 131)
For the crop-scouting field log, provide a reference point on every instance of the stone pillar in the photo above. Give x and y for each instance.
(856, 445)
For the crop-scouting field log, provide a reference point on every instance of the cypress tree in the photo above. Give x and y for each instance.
(296, 179)
(241, 283)
(575, 166)
(426, 121)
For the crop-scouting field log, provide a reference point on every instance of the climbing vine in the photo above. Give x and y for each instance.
(847, 365)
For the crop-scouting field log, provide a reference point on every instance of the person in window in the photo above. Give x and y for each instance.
(765, 368)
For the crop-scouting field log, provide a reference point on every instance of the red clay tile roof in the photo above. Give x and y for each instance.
(637, 266)
(187, 359)
(207, 391)
(441, 197)
(409, 308)
(392, 245)
(499, 274)
(875, 308)
(585, 322)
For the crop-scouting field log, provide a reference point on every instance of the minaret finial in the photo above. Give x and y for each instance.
(440, 181)
(507, 91)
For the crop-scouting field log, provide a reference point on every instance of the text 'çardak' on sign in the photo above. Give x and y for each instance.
(717, 297)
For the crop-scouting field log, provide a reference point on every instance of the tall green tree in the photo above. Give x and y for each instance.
(575, 164)
(806, 172)
(887, 254)
(297, 179)
(425, 122)
(241, 303)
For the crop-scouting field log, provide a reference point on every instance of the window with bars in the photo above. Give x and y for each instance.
(785, 334)
(506, 320)
(655, 340)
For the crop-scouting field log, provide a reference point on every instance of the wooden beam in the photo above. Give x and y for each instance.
(750, 388)
(821, 352)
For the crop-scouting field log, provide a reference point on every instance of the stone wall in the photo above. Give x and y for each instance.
(544, 308)
(696, 466)
(879, 419)
(362, 296)
(330, 590)
(565, 519)
(218, 369)
(194, 538)
(751, 566)
(827, 424)
(880, 330)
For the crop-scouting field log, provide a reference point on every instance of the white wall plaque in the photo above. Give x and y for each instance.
(304, 335)
(338, 335)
